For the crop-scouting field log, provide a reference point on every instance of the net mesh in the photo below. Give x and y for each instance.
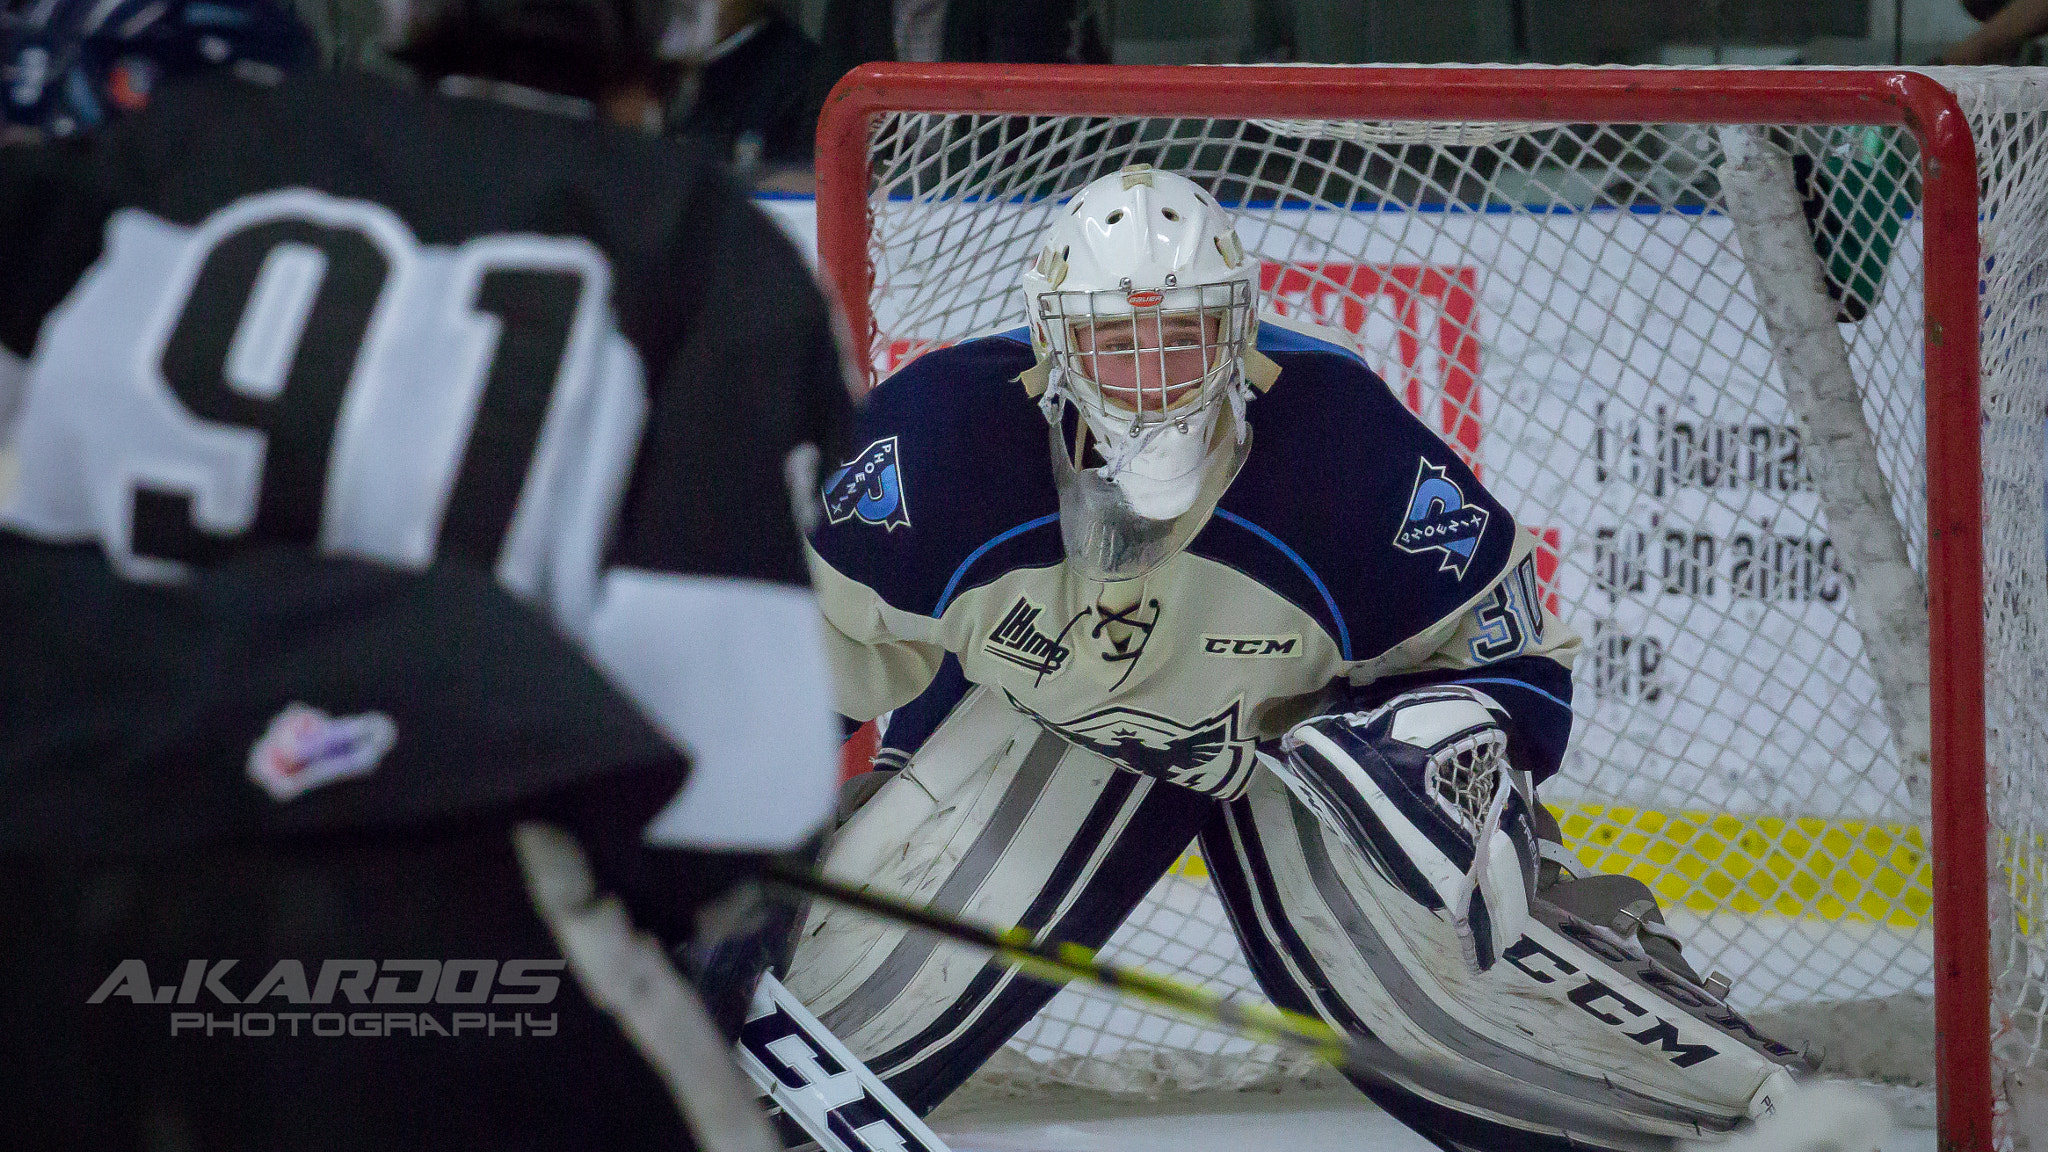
(1567, 306)
(1464, 777)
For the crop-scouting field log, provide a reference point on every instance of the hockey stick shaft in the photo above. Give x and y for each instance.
(1060, 962)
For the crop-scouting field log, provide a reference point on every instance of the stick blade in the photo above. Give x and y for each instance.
(1821, 1117)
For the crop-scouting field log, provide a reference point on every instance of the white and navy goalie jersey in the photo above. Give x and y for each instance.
(1355, 555)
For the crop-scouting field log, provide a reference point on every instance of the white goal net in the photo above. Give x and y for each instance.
(1569, 304)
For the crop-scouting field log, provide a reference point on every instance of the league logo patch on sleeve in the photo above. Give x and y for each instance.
(869, 489)
(306, 748)
(1439, 520)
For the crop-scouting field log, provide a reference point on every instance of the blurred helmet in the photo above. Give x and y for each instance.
(580, 48)
(1142, 305)
(69, 65)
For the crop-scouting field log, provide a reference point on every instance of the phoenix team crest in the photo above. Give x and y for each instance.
(1209, 756)
(869, 489)
(1439, 520)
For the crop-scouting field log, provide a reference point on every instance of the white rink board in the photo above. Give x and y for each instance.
(1723, 672)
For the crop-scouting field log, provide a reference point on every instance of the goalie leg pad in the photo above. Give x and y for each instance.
(1001, 822)
(1632, 1053)
(1422, 787)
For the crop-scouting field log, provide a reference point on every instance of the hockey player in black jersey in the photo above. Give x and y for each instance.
(1155, 565)
(403, 625)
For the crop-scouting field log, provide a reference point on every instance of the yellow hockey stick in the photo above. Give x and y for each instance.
(1057, 962)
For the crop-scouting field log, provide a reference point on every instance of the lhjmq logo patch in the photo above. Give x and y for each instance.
(869, 489)
(305, 748)
(1439, 520)
(1018, 640)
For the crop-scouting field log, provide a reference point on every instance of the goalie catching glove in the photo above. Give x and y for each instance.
(1423, 787)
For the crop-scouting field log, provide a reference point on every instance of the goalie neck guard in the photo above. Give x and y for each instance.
(1142, 306)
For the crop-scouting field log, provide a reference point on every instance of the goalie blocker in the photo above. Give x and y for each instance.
(1415, 885)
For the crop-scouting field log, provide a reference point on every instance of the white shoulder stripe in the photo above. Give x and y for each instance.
(734, 672)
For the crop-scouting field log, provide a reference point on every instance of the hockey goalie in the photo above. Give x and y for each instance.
(1161, 566)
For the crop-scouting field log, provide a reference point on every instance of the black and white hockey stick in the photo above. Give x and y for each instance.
(819, 1084)
(1364, 1058)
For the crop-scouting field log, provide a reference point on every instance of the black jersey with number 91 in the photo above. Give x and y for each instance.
(410, 329)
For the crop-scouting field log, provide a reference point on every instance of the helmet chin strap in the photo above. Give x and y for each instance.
(1159, 467)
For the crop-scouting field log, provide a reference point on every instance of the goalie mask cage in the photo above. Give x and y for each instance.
(1753, 456)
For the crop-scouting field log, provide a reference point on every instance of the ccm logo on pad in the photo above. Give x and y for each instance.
(1253, 647)
(1605, 1004)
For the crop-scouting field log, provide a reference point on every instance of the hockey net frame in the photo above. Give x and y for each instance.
(1467, 105)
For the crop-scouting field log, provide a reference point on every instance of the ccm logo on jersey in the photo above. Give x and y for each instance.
(869, 489)
(1600, 1001)
(1253, 647)
(854, 1115)
(1439, 520)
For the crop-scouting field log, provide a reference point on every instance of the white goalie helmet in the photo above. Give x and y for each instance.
(1142, 307)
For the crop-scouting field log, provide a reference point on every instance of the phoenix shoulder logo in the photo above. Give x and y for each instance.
(869, 488)
(1439, 520)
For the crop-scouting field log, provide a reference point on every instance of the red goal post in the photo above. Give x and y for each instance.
(1948, 214)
